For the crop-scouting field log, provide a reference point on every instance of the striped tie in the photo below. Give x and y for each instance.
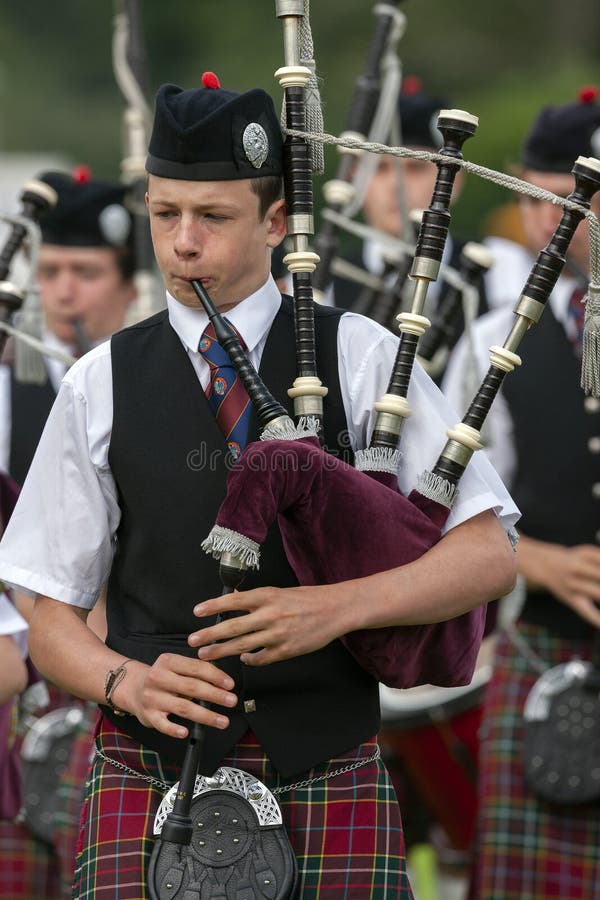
(226, 394)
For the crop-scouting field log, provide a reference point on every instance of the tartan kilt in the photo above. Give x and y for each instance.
(526, 848)
(69, 797)
(31, 869)
(28, 867)
(346, 831)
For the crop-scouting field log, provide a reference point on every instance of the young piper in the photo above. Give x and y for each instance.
(138, 465)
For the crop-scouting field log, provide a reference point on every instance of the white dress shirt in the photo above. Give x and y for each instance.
(61, 537)
(12, 623)
(513, 265)
(373, 255)
(373, 259)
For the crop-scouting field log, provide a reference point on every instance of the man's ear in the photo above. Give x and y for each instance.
(276, 221)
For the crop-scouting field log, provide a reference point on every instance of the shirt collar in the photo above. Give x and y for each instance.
(252, 317)
(55, 342)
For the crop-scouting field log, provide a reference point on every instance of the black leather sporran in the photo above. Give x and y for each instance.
(239, 849)
(45, 754)
(562, 734)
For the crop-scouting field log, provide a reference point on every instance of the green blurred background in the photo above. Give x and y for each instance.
(501, 61)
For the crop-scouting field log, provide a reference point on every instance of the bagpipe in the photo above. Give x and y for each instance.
(20, 308)
(343, 192)
(36, 197)
(319, 495)
(315, 494)
(457, 310)
(19, 297)
(130, 70)
(375, 110)
(385, 300)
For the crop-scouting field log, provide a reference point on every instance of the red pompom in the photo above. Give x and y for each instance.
(412, 85)
(210, 80)
(81, 174)
(588, 94)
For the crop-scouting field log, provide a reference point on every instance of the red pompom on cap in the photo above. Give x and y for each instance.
(588, 94)
(412, 85)
(81, 174)
(210, 80)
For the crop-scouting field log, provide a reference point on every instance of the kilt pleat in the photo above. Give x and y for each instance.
(526, 848)
(346, 831)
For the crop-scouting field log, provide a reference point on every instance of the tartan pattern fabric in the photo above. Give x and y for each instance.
(28, 867)
(527, 849)
(226, 394)
(346, 831)
(69, 797)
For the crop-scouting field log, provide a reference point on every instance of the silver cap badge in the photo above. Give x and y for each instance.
(115, 224)
(256, 144)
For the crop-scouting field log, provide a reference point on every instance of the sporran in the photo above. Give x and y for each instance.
(562, 734)
(45, 754)
(239, 848)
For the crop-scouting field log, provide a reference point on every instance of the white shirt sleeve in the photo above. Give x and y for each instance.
(366, 356)
(60, 538)
(505, 280)
(13, 624)
(498, 430)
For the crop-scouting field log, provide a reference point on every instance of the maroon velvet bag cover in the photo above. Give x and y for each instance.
(338, 524)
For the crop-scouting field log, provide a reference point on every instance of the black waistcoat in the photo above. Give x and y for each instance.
(558, 459)
(167, 456)
(30, 406)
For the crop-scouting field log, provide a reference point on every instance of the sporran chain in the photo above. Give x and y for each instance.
(163, 786)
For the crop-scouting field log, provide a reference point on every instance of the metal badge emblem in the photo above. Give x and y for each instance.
(256, 144)
(115, 224)
(227, 780)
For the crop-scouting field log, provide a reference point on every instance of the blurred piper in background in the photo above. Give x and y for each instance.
(85, 277)
(538, 835)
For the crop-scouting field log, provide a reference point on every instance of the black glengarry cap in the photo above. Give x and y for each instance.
(562, 133)
(418, 115)
(212, 134)
(88, 212)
